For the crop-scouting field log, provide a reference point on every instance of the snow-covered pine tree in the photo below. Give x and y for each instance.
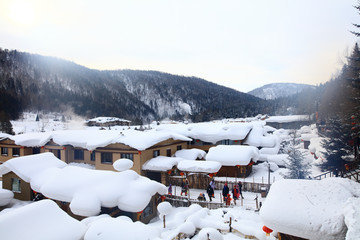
(297, 167)
(338, 150)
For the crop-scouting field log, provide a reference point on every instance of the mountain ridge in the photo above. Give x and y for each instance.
(278, 90)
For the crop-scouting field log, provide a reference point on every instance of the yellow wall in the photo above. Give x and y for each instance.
(26, 192)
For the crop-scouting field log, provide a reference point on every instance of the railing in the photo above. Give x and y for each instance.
(350, 170)
(179, 201)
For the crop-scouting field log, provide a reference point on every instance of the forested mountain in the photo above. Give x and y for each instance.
(34, 82)
(279, 90)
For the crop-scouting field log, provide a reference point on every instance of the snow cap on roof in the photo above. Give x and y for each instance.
(288, 118)
(210, 132)
(199, 166)
(190, 154)
(309, 209)
(43, 220)
(161, 163)
(232, 155)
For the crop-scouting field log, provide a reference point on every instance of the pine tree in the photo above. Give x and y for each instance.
(338, 150)
(298, 169)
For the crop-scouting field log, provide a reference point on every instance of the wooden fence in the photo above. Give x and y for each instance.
(179, 201)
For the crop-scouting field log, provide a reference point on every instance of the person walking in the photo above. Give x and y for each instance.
(225, 191)
(235, 193)
(212, 184)
(240, 189)
(210, 192)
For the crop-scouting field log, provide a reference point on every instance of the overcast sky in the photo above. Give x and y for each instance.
(240, 44)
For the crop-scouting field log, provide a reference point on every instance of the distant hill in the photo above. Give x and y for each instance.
(279, 90)
(34, 82)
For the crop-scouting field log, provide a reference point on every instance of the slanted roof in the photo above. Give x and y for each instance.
(92, 139)
(210, 132)
(42, 220)
(232, 155)
(87, 190)
(309, 209)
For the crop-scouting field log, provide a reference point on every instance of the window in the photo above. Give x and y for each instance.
(4, 151)
(106, 157)
(78, 154)
(36, 150)
(92, 156)
(179, 147)
(156, 153)
(168, 152)
(225, 142)
(58, 154)
(16, 152)
(128, 156)
(15, 185)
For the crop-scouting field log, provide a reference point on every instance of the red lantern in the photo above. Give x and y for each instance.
(163, 198)
(267, 230)
(238, 166)
(181, 173)
(139, 152)
(211, 175)
(169, 172)
(251, 163)
(352, 117)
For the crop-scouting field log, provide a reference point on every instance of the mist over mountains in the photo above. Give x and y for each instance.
(35, 82)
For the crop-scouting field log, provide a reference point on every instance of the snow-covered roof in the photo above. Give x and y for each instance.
(27, 167)
(257, 137)
(190, 154)
(287, 119)
(308, 136)
(87, 190)
(40, 220)
(232, 155)
(107, 119)
(210, 132)
(199, 166)
(161, 163)
(92, 139)
(4, 136)
(310, 209)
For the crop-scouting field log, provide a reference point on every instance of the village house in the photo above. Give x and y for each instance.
(106, 122)
(289, 122)
(82, 192)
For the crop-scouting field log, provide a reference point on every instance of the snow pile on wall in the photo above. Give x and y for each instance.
(308, 208)
(232, 155)
(5, 197)
(199, 166)
(40, 220)
(190, 154)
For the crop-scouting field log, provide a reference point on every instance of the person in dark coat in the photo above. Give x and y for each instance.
(225, 191)
(184, 187)
(210, 192)
(240, 189)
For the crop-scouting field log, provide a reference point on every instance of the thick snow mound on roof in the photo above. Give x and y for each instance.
(107, 119)
(232, 155)
(40, 220)
(118, 228)
(5, 197)
(88, 190)
(309, 209)
(210, 234)
(210, 132)
(256, 137)
(190, 154)
(28, 167)
(278, 159)
(199, 166)
(161, 163)
(92, 139)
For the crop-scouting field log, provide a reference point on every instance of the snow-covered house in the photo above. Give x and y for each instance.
(100, 148)
(206, 135)
(311, 209)
(288, 122)
(236, 161)
(107, 122)
(81, 191)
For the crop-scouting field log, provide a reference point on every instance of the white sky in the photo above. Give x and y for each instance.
(240, 44)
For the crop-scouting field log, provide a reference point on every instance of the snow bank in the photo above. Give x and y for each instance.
(308, 208)
(161, 163)
(40, 220)
(352, 218)
(199, 166)
(118, 228)
(190, 154)
(209, 234)
(232, 155)
(123, 164)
